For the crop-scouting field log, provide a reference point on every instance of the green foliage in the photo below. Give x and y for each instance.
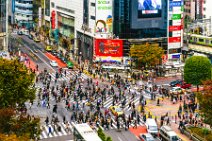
(15, 83)
(21, 125)
(147, 54)
(197, 69)
(201, 133)
(205, 101)
(108, 139)
(103, 136)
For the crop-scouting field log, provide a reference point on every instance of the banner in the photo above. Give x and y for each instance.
(108, 47)
(104, 18)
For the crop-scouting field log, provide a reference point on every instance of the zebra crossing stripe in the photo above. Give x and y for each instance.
(54, 132)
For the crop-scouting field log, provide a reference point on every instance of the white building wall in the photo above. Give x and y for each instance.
(77, 7)
(207, 10)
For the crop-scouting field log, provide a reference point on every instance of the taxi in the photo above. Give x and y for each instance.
(48, 48)
(116, 110)
(36, 39)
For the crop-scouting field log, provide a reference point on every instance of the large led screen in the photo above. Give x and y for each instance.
(149, 8)
(108, 47)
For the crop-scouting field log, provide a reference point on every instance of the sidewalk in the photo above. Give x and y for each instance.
(166, 106)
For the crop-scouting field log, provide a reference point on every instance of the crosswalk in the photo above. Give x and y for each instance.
(55, 130)
(69, 75)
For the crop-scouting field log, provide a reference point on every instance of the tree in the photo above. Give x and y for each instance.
(108, 139)
(101, 134)
(16, 83)
(146, 54)
(196, 70)
(205, 101)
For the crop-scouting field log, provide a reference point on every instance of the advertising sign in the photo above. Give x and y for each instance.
(174, 45)
(149, 8)
(176, 16)
(176, 33)
(104, 18)
(176, 22)
(174, 39)
(108, 47)
(174, 28)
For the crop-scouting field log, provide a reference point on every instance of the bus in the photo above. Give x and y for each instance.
(83, 132)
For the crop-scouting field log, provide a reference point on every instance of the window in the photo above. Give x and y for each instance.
(93, 4)
(207, 41)
(52, 4)
(93, 17)
(201, 40)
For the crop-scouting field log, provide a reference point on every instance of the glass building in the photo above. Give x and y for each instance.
(3, 24)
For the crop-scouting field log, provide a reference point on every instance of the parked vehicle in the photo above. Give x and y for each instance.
(20, 33)
(184, 85)
(70, 65)
(146, 137)
(36, 39)
(177, 90)
(167, 134)
(176, 82)
(53, 63)
(48, 48)
(30, 36)
(152, 127)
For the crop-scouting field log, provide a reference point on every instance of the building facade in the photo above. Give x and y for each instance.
(100, 25)
(189, 9)
(4, 25)
(23, 12)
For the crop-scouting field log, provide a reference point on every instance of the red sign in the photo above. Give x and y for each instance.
(109, 47)
(174, 39)
(53, 19)
(174, 28)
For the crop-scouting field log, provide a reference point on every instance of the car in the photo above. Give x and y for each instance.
(53, 63)
(20, 33)
(36, 39)
(116, 110)
(177, 90)
(54, 52)
(70, 65)
(48, 48)
(176, 82)
(184, 85)
(30, 36)
(146, 137)
(166, 133)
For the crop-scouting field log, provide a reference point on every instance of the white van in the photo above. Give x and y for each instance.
(152, 127)
(167, 134)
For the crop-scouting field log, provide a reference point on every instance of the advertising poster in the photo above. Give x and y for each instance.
(104, 18)
(149, 8)
(108, 48)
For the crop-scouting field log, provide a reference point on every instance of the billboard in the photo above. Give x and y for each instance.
(108, 47)
(104, 18)
(149, 8)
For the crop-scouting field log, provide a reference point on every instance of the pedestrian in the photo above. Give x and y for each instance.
(50, 130)
(135, 124)
(64, 119)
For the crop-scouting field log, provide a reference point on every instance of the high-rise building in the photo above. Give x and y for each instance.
(23, 12)
(98, 24)
(4, 25)
(189, 9)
